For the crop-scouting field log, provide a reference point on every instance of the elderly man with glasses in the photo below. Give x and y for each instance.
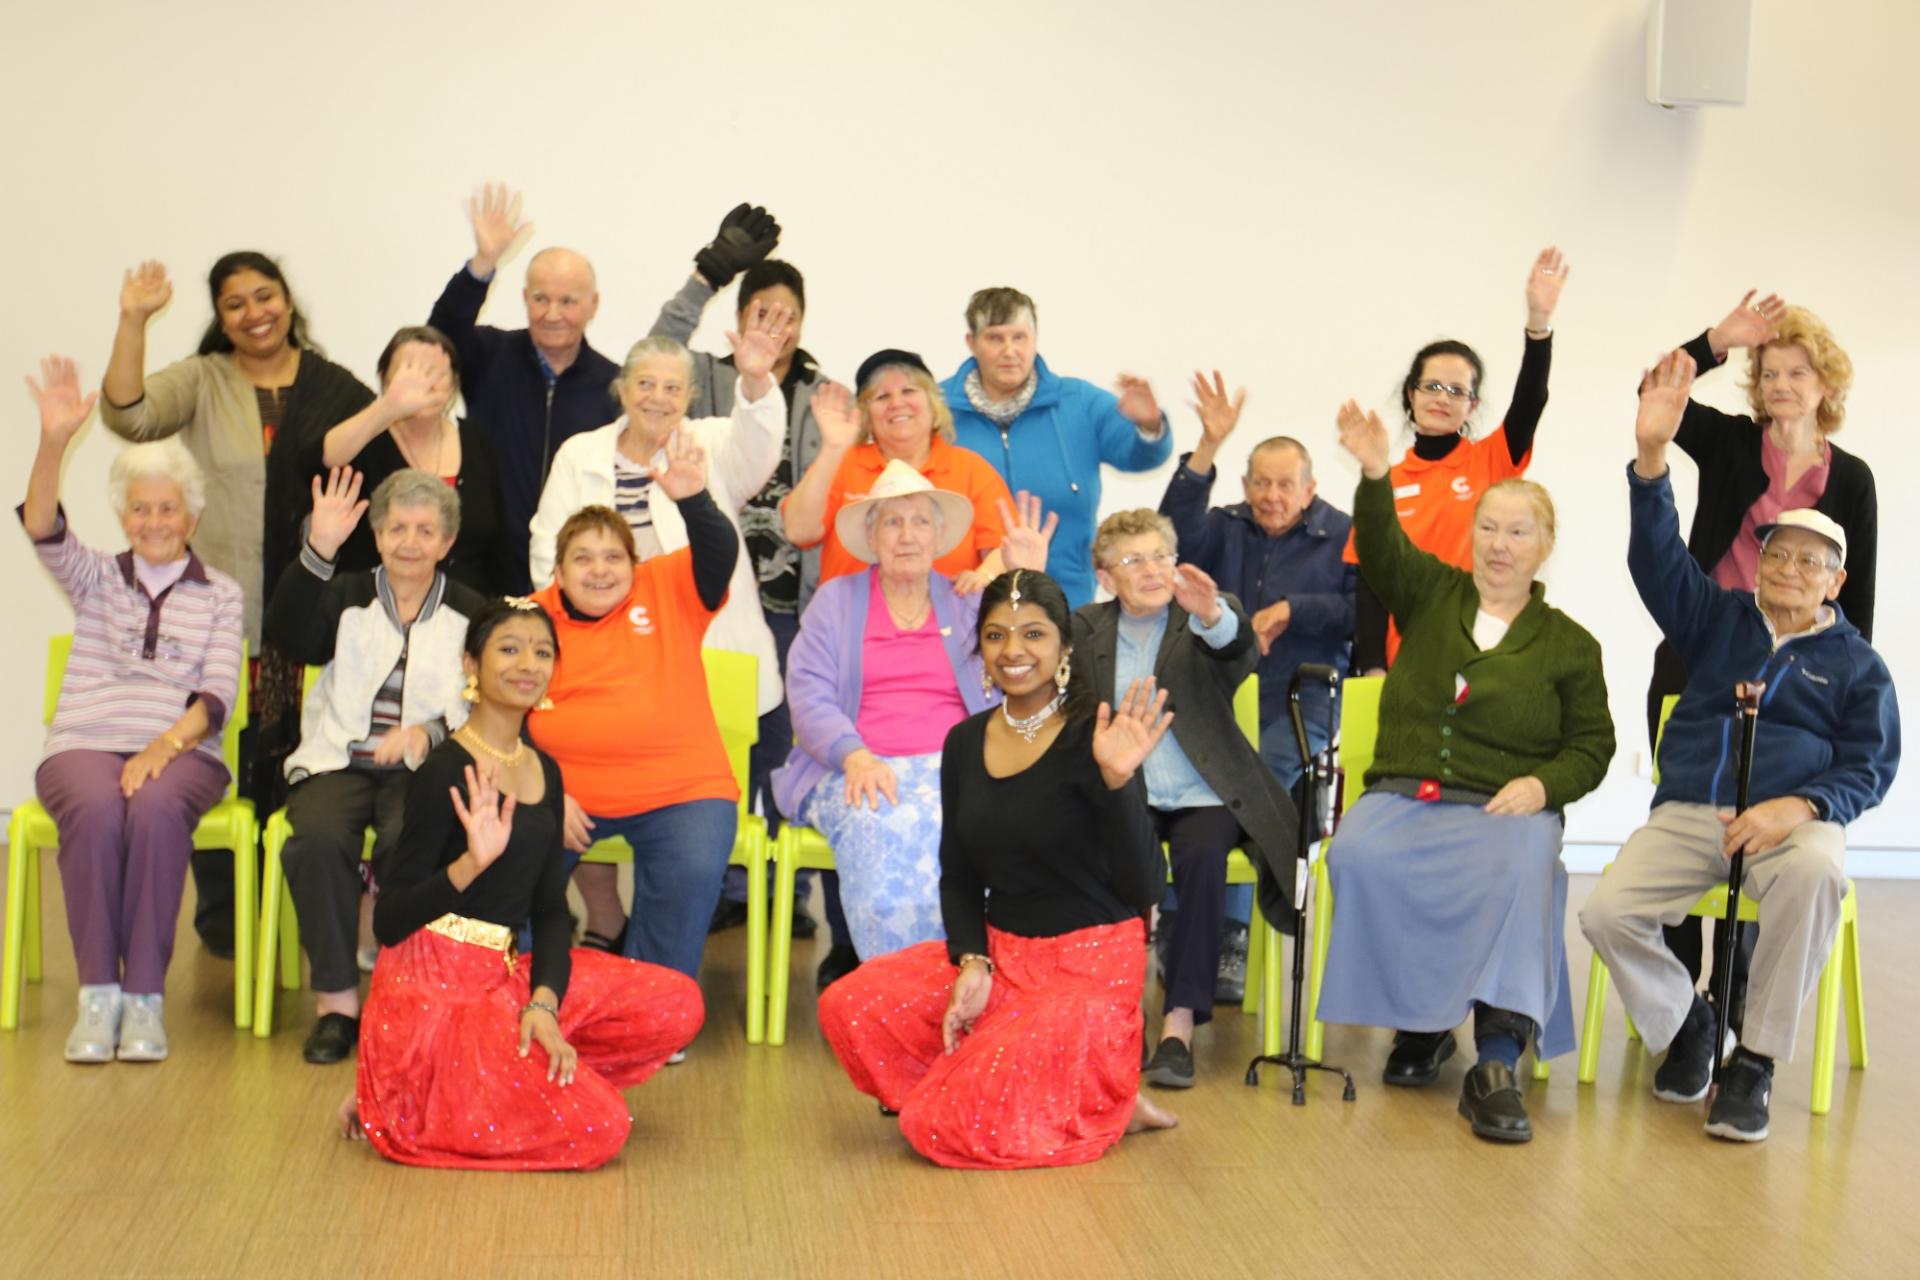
(1827, 747)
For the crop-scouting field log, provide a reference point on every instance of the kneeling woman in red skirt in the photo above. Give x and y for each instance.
(471, 1056)
(1016, 1042)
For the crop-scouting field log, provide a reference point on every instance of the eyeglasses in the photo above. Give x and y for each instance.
(1451, 390)
(1808, 562)
(1144, 559)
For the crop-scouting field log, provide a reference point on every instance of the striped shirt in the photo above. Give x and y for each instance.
(386, 711)
(139, 662)
(632, 497)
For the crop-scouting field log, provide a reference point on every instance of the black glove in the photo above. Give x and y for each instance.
(746, 235)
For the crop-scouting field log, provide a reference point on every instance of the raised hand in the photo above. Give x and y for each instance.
(1750, 324)
(1363, 435)
(1137, 403)
(1218, 415)
(683, 472)
(1195, 592)
(497, 223)
(747, 234)
(487, 817)
(419, 381)
(839, 417)
(757, 349)
(1663, 401)
(63, 410)
(144, 290)
(1125, 736)
(337, 508)
(1027, 538)
(1544, 283)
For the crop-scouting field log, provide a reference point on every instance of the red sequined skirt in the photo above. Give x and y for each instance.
(441, 1080)
(1048, 1075)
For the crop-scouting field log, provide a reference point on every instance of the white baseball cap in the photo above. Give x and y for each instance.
(1813, 522)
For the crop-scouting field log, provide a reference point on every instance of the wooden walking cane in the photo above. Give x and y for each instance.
(1747, 695)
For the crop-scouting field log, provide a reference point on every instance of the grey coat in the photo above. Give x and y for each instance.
(713, 383)
(1200, 683)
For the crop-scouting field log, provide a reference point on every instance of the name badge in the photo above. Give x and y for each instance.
(1407, 490)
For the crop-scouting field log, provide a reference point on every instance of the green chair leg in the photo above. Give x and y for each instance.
(780, 947)
(289, 941)
(1322, 927)
(1256, 960)
(1274, 951)
(245, 843)
(1541, 1068)
(1856, 1002)
(1826, 1029)
(1594, 1023)
(756, 854)
(12, 967)
(272, 893)
(31, 902)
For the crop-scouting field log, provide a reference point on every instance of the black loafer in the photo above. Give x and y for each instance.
(1490, 1100)
(727, 914)
(839, 962)
(1416, 1057)
(333, 1039)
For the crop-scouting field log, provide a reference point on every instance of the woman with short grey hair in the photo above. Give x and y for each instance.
(133, 754)
(389, 642)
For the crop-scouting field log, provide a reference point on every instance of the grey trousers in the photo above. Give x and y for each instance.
(1661, 872)
(330, 814)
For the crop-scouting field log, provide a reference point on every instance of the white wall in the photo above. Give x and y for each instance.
(1300, 195)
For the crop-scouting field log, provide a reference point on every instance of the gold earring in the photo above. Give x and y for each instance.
(545, 703)
(1063, 673)
(986, 681)
(472, 692)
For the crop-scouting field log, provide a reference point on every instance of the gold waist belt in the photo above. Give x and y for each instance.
(480, 933)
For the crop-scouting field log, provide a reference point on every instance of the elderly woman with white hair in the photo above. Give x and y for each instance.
(133, 755)
(390, 641)
(882, 668)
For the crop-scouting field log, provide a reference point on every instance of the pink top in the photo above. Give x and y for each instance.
(1739, 569)
(908, 699)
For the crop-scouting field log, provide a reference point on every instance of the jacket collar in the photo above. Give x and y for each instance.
(1525, 626)
(1046, 391)
(196, 571)
(1104, 618)
(1312, 522)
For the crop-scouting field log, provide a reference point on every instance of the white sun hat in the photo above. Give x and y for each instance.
(899, 480)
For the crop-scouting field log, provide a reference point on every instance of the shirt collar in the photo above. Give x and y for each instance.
(195, 571)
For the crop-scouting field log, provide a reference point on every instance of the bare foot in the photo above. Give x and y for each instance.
(350, 1120)
(1149, 1115)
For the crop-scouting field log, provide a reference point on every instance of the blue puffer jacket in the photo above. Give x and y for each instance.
(1829, 725)
(1054, 450)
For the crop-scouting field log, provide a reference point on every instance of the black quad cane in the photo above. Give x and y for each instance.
(1319, 795)
(1747, 695)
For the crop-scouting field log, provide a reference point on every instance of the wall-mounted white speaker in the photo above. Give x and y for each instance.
(1697, 52)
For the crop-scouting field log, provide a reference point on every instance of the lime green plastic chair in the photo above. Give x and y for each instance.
(1262, 938)
(230, 824)
(1841, 976)
(732, 687)
(1359, 734)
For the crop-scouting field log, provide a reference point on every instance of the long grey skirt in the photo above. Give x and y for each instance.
(1436, 906)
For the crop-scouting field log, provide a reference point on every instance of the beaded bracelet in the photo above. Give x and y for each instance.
(541, 1005)
(974, 955)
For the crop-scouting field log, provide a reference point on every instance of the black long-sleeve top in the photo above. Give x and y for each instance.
(528, 881)
(1046, 851)
(1522, 421)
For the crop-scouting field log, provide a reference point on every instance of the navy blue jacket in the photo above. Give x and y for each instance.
(1829, 725)
(506, 393)
(1302, 565)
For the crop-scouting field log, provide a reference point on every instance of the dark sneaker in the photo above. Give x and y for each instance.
(1417, 1056)
(1739, 1110)
(1490, 1100)
(1688, 1068)
(1230, 979)
(1171, 1066)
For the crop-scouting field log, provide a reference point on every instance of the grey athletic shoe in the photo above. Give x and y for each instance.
(97, 1030)
(143, 1037)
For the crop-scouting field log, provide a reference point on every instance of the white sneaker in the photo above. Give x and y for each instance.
(143, 1037)
(97, 1030)
(679, 1056)
(365, 958)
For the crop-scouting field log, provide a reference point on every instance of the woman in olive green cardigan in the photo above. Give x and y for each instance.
(1449, 894)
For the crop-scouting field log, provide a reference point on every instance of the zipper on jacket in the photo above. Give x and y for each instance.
(546, 438)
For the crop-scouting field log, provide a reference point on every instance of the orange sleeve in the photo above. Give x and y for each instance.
(986, 491)
(670, 582)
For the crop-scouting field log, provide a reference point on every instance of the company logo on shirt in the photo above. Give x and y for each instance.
(642, 624)
(1462, 488)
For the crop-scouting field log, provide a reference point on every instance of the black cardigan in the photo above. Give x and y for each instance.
(1726, 448)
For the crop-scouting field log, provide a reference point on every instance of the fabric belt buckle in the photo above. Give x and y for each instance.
(1428, 791)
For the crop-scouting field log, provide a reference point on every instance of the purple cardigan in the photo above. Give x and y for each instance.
(824, 683)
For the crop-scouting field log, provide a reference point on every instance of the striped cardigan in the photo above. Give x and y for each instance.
(138, 663)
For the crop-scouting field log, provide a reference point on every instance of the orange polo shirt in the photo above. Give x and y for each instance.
(632, 727)
(1435, 501)
(949, 467)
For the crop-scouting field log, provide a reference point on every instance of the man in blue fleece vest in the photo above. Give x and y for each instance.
(1827, 747)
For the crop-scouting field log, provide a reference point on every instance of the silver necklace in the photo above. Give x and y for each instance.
(1029, 728)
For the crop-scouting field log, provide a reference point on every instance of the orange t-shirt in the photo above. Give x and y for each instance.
(632, 727)
(1435, 501)
(949, 467)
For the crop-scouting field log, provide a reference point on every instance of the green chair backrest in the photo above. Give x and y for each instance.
(733, 686)
(1359, 730)
(1660, 731)
(60, 648)
(1246, 709)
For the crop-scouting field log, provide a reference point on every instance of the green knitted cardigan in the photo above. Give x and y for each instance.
(1535, 704)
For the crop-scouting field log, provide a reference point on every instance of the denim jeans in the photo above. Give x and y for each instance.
(680, 852)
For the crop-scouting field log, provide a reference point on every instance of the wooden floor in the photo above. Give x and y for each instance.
(760, 1161)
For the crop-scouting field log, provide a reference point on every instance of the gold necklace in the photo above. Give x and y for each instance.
(507, 760)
